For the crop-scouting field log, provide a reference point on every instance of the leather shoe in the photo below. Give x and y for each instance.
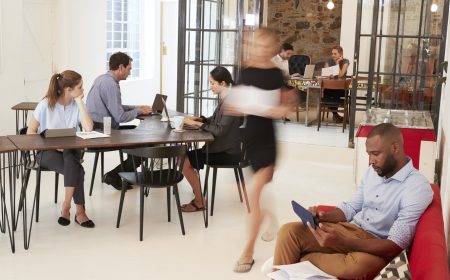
(63, 221)
(86, 224)
(114, 181)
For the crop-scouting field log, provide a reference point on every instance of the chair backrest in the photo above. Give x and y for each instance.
(298, 62)
(159, 164)
(335, 84)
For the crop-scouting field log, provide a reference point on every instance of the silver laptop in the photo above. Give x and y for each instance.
(309, 71)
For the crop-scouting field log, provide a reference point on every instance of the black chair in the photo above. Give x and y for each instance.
(161, 167)
(30, 163)
(240, 182)
(298, 62)
(340, 105)
(98, 152)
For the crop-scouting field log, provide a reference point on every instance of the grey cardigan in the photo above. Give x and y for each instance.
(225, 129)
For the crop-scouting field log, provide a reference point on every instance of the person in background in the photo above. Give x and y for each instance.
(258, 134)
(281, 60)
(63, 107)
(105, 100)
(334, 95)
(359, 237)
(224, 150)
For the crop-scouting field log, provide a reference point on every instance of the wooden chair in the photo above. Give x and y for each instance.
(161, 167)
(341, 105)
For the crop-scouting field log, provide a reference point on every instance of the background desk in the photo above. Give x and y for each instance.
(23, 108)
(8, 156)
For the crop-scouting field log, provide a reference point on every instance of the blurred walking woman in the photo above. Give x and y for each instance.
(259, 133)
(63, 107)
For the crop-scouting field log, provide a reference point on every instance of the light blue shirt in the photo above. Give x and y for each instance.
(105, 100)
(58, 117)
(390, 207)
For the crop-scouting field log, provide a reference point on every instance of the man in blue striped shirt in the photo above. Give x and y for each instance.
(359, 237)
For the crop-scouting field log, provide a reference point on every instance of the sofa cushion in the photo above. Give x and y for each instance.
(398, 268)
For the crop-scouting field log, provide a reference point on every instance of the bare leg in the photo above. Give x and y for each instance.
(260, 179)
(80, 212)
(192, 177)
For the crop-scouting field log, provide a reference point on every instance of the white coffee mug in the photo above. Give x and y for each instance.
(177, 122)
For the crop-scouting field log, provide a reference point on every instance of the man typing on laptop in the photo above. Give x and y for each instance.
(105, 100)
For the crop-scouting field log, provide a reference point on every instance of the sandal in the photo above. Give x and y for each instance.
(191, 207)
(243, 267)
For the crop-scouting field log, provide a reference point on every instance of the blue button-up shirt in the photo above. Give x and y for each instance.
(105, 100)
(390, 207)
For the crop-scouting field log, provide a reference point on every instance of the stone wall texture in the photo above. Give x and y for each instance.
(308, 25)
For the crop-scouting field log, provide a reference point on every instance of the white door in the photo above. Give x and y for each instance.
(37, 47)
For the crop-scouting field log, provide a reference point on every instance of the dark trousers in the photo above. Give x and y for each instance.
(333, 95)
(68, 164)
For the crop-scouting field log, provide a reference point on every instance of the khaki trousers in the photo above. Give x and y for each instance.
(296, 243)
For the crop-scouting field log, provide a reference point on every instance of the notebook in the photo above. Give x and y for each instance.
(304, 214)
(158, 103)
(309, 71)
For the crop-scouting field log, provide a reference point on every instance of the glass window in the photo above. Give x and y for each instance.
(122, 31)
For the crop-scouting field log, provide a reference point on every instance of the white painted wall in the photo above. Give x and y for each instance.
(11, 73)
(348, 23)
(79, 44)
(444, 144)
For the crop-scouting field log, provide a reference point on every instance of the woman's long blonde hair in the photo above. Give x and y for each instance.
(262, 34)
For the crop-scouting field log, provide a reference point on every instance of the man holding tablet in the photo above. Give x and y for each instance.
(359, 237)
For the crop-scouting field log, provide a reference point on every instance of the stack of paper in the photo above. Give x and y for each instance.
(330, 71)
(91, 134)
(301, 270)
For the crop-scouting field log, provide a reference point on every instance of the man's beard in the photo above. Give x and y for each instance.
(389, 165)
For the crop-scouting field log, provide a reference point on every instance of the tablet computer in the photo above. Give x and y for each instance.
(304, 215)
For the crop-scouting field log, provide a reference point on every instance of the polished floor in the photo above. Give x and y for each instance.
(313, 167)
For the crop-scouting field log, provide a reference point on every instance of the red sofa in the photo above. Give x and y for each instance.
(428, 253)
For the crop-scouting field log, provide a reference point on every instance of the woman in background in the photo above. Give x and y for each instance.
(63, 107)
(334, 95)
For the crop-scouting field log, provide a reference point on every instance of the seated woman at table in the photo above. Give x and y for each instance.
(225, 149)
(334, 95)
(63, 107)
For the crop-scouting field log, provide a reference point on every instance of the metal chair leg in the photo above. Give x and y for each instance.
(168, 204)
(213, 194)
(180, 214)
(56, 187)
(94, 170)
(244, 190)
(238, 183)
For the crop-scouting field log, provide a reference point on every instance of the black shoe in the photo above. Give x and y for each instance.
(63, 221)
(337, 118)
(86, 224)
(115, 181)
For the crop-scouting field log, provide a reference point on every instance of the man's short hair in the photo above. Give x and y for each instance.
(287, 47)
(119, 58)
(387, 130)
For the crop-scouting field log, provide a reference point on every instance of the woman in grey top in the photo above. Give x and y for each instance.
(334, 95)
(225, 149)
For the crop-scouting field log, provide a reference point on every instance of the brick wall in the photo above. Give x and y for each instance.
(308, 25)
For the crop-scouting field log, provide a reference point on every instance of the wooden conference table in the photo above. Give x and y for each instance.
(150, 132)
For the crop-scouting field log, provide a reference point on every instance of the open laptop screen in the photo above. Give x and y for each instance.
(159, 103)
